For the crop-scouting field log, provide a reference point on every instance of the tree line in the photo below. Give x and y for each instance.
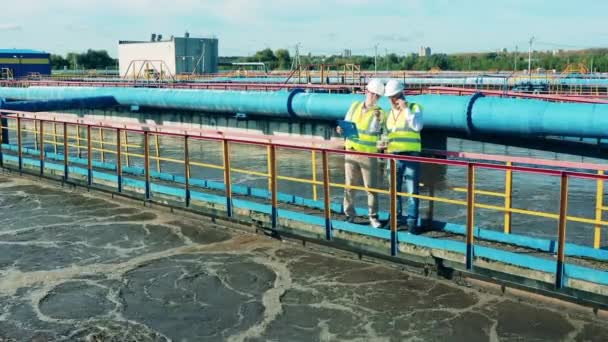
(592, 59)
(91, 59)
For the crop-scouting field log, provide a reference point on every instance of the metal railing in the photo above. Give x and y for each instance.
(113, 141)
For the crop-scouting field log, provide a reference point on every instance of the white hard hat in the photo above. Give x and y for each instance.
(393, 87)
(375, 86)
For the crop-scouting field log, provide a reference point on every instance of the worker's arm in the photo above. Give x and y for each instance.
(414, 118)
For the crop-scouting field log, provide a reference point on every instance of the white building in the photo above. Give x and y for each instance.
(167, 58)
(424, 51)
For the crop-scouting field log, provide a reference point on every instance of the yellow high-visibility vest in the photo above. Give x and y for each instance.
(401, 138)
(367, 140)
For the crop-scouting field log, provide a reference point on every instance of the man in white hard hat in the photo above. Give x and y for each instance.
(403, 124)
(369, 119)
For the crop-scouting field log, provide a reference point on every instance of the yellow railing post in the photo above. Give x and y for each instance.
(314, 175)
(35, 134)
(393, 205)
(599, 204)
(1, 141)
(66, 152)
(127, 156)
(41, 147)
(273, 185)
(268, 166)
(147, 163)
(54, 136)
(508, 198)
(89, 157)
(19, 144)
(227, 178)
(470, 214)
(103, 156)
(326, 196)
(187, 170)
(118, 161)
(157, 150)
(78, 139)
(561, 233)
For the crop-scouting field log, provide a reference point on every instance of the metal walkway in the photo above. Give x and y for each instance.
(198, 172)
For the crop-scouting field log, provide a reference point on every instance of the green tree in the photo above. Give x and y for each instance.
(96, 59)
(284, 60)
(58, 62)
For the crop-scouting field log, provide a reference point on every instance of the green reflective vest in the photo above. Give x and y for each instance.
(400, 137)
(368, 138)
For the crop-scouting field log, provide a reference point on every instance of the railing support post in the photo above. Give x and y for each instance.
(2, 125)
(561, 233)
(19, 145)
(187, 170)
(227, 185)
(55, 143)
(273, 185)
(157, 150)
(508, 198)
(315, 196)
(41, 147)
(118, 161)
(393, 205)
(470, 214)
(147, 164)
(89, 157)
(326, 197)
(66, 152)
(101, 145)
(599, 204)
(127, 154)
(268, 166)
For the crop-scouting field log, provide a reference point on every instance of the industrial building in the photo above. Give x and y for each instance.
(167, 58)
(424, 51)
(17, 63)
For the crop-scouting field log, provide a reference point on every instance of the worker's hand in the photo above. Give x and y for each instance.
(339, 130)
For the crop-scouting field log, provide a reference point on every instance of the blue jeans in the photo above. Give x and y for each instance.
(410, 172)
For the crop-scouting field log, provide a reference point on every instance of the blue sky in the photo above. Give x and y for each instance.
(321, 26)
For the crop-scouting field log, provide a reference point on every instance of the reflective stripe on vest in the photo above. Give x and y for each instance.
(400, 137)
(367, 140)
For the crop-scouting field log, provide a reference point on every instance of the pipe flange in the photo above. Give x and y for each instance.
(292, 94)
(470, 128)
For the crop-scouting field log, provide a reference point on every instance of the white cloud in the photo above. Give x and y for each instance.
(11, 27)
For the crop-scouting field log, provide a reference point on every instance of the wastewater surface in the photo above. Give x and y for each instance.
(77, 266)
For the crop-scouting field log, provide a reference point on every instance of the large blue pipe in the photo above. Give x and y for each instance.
(60, 104)
(463, 114)
(50, 105)
(439, 81)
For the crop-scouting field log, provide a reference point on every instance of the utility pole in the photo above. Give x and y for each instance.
(296, 58)
(530, 56)
(386, 57)
(376, 60)
(515, 59)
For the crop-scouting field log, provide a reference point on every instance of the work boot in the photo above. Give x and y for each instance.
(413, 228)
(374, 222)
(350, 219)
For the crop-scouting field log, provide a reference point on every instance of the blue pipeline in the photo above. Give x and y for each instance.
(262, 103)
(463, 114)
(60, 104)
(438, 81)
(46, 105)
